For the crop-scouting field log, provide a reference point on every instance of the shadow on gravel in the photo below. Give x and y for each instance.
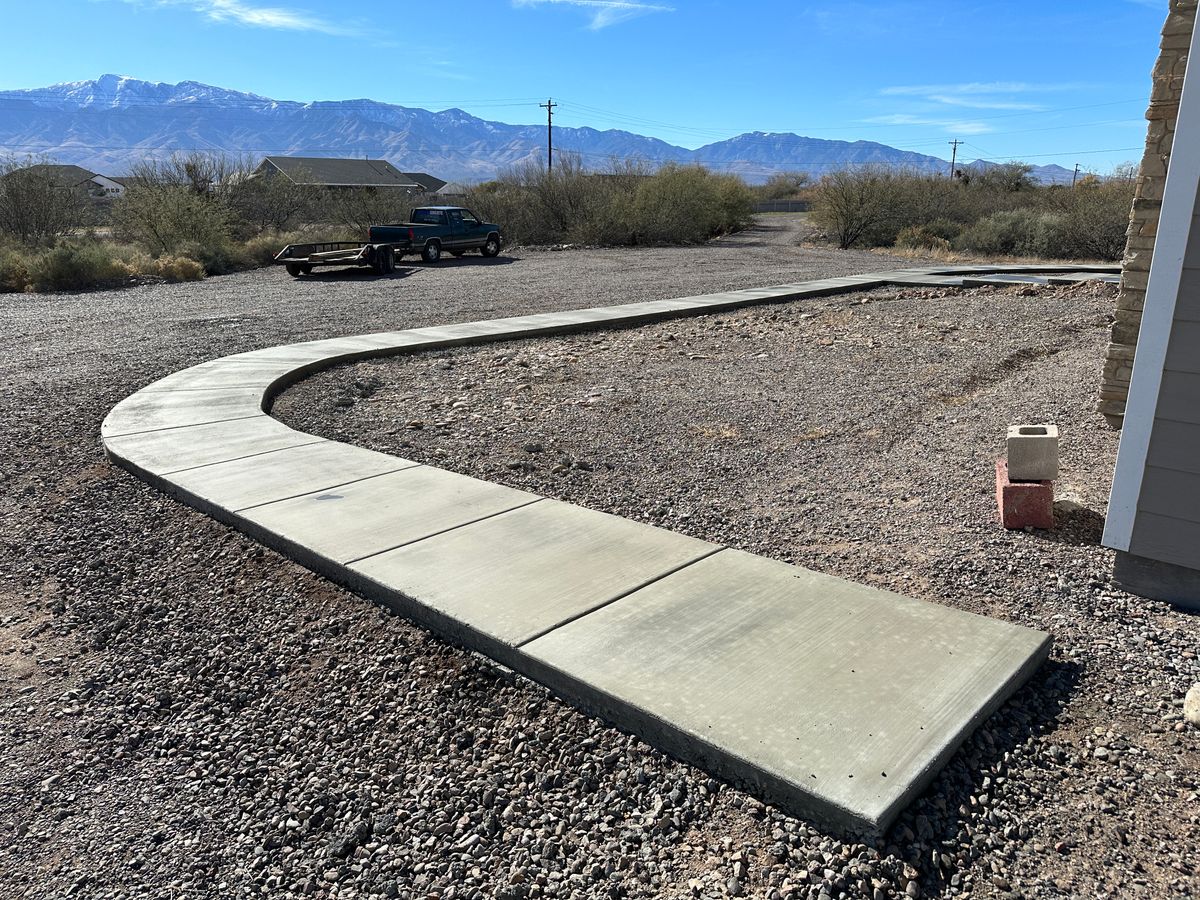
(964, 816)
(356, 274)
(453, 262)
(1074, 525)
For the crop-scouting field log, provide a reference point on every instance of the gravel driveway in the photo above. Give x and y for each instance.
(185, 714)
(856, 435)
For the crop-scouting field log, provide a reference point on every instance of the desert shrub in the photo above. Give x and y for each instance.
(357, 209)
(178, 268)
(853, 206)
(274, 203)
(689, 204)
(14, 273)
(782, 186)
(1002, 234)
(218, 258)
(918, 237)
(35, 205)
(184, 199)
(77, 267)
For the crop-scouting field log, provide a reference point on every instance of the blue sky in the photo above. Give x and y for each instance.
(1042, 81)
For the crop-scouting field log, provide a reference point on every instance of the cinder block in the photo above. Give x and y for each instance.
(1023, 504)
(1033, 452)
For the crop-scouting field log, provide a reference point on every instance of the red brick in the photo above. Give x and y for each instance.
(1023, 504)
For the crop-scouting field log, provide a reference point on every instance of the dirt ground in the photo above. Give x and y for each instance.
(185, 714)
(856, 435)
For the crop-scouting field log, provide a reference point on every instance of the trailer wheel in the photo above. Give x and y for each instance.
(296, 269)
(431, 252)
(385, 260)
(491, 247)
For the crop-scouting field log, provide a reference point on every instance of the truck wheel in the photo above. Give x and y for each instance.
(491, 247)
(296, 269)
(432, 252)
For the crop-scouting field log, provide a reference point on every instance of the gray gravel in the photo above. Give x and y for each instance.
(856, 435)
(185, 714)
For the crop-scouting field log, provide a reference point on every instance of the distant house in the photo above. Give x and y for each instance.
(451, 190)
(328, 172)
(429, 184)
(78, 178)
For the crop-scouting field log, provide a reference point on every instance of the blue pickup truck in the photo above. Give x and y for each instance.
(430, 231)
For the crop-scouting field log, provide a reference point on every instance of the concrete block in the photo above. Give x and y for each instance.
(1023, 504)
(1033, 452)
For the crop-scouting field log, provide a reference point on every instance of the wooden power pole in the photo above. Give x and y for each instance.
(953, 155)
(548, 106)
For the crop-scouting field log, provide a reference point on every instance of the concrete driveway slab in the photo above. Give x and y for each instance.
(284, 474)
(838, 699)
(381, 513)
(172, 450)
(520, 574)
(155, 410)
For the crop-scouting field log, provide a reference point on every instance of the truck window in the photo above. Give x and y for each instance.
(456, 216)
(428, 217)
(469, 219)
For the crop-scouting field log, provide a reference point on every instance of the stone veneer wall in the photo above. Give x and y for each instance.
(1143, 220)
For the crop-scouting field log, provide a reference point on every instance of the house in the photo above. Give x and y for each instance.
(1153, 519)
(329, 172)
(99, 187)
(429, 184)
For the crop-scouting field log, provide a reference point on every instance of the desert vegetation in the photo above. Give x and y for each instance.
(191, 215)
(627, 205)
(997, 212)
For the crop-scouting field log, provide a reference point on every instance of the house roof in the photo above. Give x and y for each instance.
(428, 183)
(64, 176)
(331, 172)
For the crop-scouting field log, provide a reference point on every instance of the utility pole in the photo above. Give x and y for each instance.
(954, 155)
(548, 106)
(1075, 175)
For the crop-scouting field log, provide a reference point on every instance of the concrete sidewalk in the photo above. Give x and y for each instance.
(835, 701)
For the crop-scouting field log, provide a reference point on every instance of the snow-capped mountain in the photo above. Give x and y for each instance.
(112, 122)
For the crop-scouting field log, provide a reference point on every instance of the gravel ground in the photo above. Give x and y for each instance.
(855, 435)
(185, 714)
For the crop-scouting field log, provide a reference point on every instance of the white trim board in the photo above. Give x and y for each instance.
(1162, 294)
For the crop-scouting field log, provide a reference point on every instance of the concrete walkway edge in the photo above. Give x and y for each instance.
(570, 590)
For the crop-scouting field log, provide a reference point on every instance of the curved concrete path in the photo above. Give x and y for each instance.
(836, 701)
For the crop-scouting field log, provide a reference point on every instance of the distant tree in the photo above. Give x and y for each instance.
(35, 205)
(849, 203)
(183, 199)
(359, 208)
(1006, 177)
(783, 185)
(273, 202)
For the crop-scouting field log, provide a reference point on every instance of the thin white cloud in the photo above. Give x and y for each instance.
(983, 104)
(239, 12)
(972, 88)
(604, 12)
(950, 126)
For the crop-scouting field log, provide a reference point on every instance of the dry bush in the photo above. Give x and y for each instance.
(35, 207)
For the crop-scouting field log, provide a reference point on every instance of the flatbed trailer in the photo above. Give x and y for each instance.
(301, 259)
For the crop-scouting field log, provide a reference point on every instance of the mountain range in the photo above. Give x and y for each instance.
(110, 123)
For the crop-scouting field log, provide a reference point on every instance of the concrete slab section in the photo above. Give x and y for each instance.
(515, 576)
(155, 410)
(385, 512)
(175, 449)
(283, 474)
(836, 700)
